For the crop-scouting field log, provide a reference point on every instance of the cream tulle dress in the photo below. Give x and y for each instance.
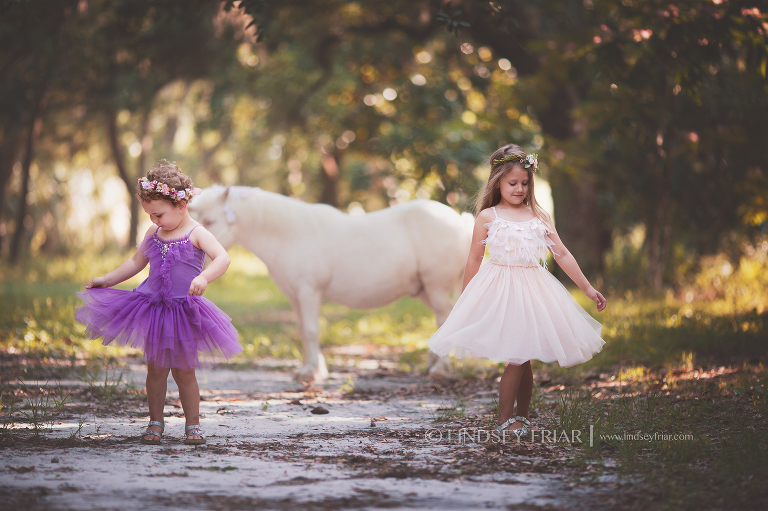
(514, 310)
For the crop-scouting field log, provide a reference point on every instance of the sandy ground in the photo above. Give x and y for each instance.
(267, 450)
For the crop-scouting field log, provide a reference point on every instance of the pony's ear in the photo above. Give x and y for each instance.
(225, 195)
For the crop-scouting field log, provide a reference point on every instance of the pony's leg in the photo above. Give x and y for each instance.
(424, 297)
(439, 300)
(308, 310)
(297, 310)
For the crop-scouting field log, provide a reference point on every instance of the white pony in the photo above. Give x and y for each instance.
(314, 252)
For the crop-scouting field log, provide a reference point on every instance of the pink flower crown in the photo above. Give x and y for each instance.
(173, 193)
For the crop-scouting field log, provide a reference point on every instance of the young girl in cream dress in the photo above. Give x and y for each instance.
(512, 309)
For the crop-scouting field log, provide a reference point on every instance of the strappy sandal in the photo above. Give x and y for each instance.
(519, 432)
(194, 431)
(149, 432)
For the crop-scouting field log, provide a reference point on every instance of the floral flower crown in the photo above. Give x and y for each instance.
(530, 160)
(173, 193)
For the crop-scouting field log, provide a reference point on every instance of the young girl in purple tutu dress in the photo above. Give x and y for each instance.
(512, 309)
(166, 316)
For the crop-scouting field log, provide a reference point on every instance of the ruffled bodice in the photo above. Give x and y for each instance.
(172, 266)
(517, 243)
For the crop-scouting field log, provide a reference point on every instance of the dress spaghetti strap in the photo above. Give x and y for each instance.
(494, 212)
(182, 239)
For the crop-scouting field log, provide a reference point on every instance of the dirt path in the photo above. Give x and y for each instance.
(266, 450)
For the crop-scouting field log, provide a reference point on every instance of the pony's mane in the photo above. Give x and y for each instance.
(281, 210)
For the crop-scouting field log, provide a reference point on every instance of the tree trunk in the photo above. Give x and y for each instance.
(117, 155)
(658, 243)
(9, 153)
(658, 224)
(578, 221)
(35, 124)
(329, 180)
(577, 213)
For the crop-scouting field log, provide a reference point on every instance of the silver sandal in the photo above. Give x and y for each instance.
(194, 431)
(519, 432)
(149, 432)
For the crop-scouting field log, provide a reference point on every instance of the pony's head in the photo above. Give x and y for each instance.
(212, 210)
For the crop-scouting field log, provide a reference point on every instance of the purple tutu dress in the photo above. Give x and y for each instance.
(171, 326)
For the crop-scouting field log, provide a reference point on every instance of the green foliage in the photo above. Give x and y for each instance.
(221, 469)
(41, 407)
(573, 411)
(742, 285)
(349, 385)
(452, 18)
(106, 389)
(474, 367)
(8, 410)
(407, 322)
(37, 322)
(282, 114)
(669, 141)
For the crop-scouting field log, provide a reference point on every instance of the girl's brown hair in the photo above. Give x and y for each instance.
(491, 193)
(168, 173)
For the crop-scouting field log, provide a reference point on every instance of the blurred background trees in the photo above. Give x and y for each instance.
(650, 117)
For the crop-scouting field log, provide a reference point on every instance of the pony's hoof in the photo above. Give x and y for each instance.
(305, 377)
(432, 359)
(311, 374)
(441, 369)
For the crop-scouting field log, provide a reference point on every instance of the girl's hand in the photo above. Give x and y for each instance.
(596, 297)
(97, 282)
(198, 285)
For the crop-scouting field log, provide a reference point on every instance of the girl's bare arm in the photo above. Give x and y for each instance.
(125, 271)
(219, 260)
(568, 263)
(477, 249)
(122, 273)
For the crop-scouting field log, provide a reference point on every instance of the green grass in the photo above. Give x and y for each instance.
(37, 326)
(718, 463)
(451, 412)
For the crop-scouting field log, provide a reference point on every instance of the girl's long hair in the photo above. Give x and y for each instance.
(491, 193)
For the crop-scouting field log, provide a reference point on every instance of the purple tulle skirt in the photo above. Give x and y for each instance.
(171, 333)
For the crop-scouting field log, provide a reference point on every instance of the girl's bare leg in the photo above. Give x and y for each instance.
(508, 388)
(524, 391)
(157, 385)
(189, 394)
